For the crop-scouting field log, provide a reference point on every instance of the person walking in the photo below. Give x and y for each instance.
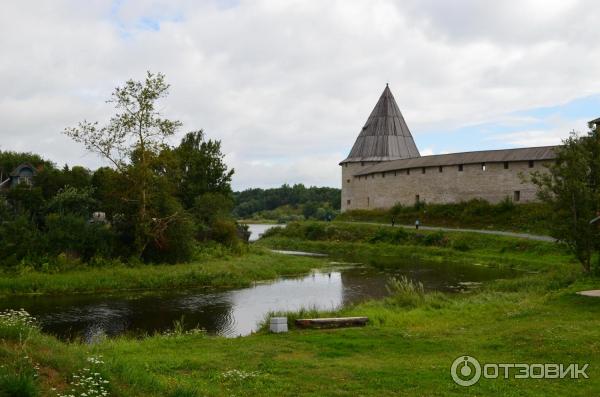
(393, 221)
(417, 224)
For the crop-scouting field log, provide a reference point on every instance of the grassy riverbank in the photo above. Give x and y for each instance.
(407, 349)
(475, 214)
(226, 271)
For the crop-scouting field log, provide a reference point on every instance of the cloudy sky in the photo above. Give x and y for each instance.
(287, 85)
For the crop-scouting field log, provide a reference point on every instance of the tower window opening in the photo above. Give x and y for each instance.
(517, 195)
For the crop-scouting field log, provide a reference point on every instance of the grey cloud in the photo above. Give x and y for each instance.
(287, 85)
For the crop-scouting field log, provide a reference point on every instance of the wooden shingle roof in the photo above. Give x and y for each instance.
(385, 136)
(484, 156)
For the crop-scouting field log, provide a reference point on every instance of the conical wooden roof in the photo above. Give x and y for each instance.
(385, 135)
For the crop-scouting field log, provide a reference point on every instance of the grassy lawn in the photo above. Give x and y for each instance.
(407, 348)
(228, 271)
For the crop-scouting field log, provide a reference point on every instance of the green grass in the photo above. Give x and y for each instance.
(475, 214)
(231, 271)
(360, 243)
(407, 349)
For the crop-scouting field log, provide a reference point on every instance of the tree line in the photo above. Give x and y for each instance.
(288, 203)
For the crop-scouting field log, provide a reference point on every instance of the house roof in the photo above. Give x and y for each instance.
(385, 136)
(484, 156)
(594, 122)
(19, 168)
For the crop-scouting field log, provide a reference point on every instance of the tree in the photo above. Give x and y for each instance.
(572, 188)
(201, 168)
(131, 141)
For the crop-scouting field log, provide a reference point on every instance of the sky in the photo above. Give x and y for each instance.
(287, 85)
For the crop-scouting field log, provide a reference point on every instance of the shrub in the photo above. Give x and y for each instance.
(438, 239)
(77, 237)
(315, 231)
(224, 232)
(174, 244)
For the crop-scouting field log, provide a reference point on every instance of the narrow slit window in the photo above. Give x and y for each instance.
(347, 202)
(517, 195)
(408, 171)
(506, 165)
(531, 164)
(441, 169)
(460, 168)
(417, 198)
(383, 174)
(423, 170)
(483, 167)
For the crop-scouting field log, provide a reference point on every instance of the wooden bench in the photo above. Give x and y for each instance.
(336, 322)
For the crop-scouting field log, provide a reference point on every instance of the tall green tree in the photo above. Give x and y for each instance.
(200, 168)
(572, 188)
(131, 140)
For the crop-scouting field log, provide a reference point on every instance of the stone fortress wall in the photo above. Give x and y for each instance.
(493, 183)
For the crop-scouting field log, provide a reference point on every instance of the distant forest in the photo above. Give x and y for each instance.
(287, 203)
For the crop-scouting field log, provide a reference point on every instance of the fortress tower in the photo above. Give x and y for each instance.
(384, 168)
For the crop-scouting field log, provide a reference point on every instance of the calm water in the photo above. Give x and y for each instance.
(232, 312)
(256, 230)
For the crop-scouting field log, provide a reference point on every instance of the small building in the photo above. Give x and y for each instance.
(385, 168)
(23, 174)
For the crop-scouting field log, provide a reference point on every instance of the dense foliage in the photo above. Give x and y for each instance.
(155, 203)
(572, 189)
(288, 203)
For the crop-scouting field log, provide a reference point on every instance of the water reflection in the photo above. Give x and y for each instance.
(234, 312)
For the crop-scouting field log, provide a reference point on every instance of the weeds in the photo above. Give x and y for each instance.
(88, 382)
(16, 324)
(405, 292)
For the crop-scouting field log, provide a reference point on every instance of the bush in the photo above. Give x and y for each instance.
(224, 232)
(437, 239)
(175, 243)
(19, 238)
(77, 237)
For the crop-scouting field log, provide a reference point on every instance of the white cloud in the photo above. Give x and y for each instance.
(536, 137)
(286, 85)
(426, 152)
